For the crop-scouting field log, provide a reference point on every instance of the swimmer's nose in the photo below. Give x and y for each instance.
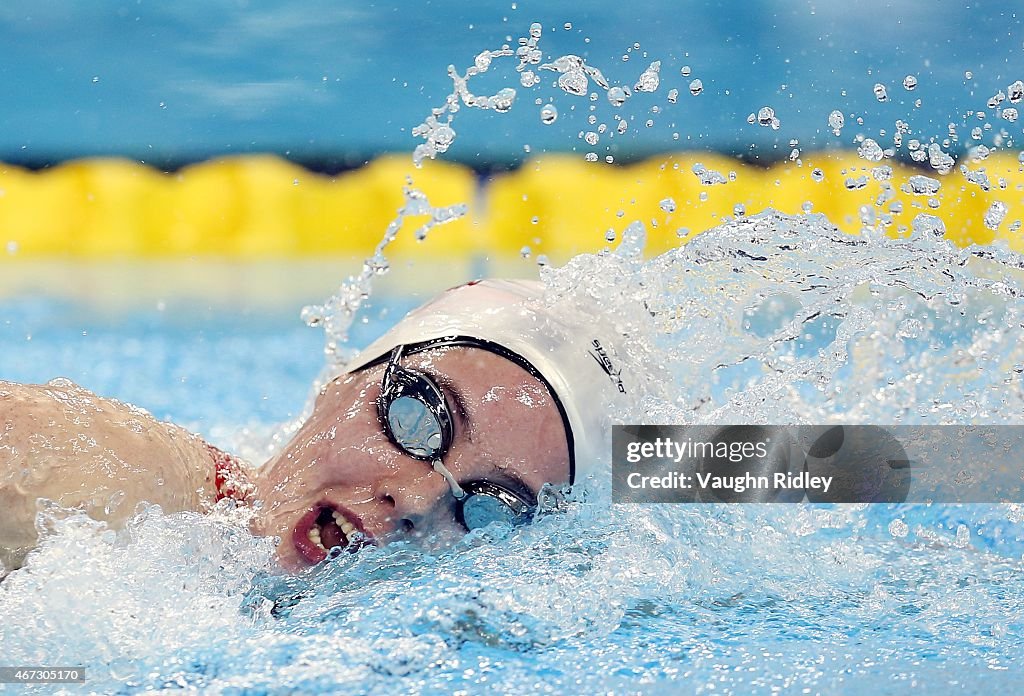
(414, 494)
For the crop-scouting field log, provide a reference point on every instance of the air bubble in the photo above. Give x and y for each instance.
(1010, 114)
(673, 96)
(548, 114)
(590, 157)
(880, 93)
(609, 236)
(685, 71)
(696, 87)
(909, 83)
(668, 205)
(817, 175)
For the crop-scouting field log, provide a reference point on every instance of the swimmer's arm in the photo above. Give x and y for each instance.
(62, 442)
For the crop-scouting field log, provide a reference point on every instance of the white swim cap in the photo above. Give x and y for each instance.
(569, 345)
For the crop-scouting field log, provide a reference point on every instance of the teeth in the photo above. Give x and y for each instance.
(314, 536)
(347, 528)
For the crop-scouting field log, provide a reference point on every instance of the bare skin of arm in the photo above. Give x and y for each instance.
(62, 442)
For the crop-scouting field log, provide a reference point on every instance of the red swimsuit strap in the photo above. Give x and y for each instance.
(230, 478)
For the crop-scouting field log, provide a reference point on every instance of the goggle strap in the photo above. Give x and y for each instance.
(457, 490)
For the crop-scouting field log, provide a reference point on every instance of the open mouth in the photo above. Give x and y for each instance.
(325, 527)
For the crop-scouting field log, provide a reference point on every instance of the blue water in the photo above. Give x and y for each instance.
(335, 82)
(593, 597)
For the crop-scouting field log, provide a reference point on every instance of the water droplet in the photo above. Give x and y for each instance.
(817, 175)
(649, 123)
(617, 96)
(590, 157)
(668, 205)
(609, 236)
(880, 93)
(898, 528)
(591, 137)
(976, 133)
(739, 210)
(836, 122)
(1015, 91)
(855, 183)
(441, 137)
(622, 127)
(920, 185)
(883, 173)
(649, 80)
(567, 26)
(1010, 114)
(535, 30)
(968, 75)
(542, 260)
(703, 196)
(311, 316)
(525, 252)
(870, 150)
(548, 114)
(995, 215)
(483, 61)
(924, 223)
(696, 87)
(766, 117)
(909, 83)
(807, 207)
(685, 71)
(574, 82)
(95, 79)
(502, 101)
(12, 247)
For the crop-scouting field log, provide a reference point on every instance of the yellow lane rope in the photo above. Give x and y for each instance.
(264, 207)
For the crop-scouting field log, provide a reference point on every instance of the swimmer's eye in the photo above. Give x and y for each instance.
(487, 502)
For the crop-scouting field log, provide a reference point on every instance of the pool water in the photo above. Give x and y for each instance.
(593, 597)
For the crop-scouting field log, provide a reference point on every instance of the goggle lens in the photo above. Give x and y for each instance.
(414, 427)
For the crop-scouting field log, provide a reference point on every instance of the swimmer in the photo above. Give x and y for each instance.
(452, 420)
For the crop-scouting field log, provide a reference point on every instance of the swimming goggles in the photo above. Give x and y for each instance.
(417, 419)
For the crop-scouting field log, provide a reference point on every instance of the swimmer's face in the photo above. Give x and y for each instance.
(341, 464)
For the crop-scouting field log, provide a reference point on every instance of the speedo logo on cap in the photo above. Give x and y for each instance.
(601, 356)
